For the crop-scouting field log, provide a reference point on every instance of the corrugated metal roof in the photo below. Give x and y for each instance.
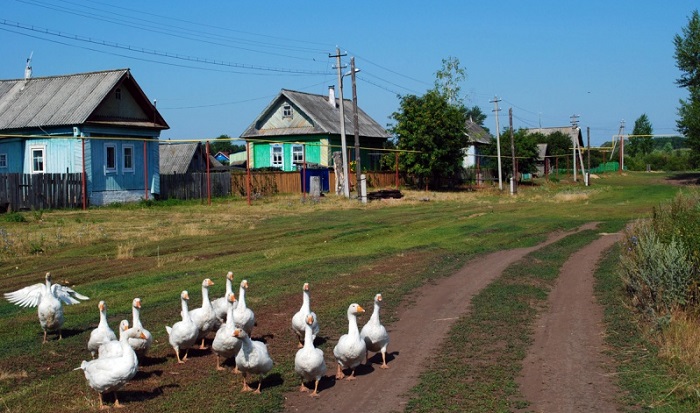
(476, 133)
(58, 100)
(324, 116)
(572, 132)
(175, 158)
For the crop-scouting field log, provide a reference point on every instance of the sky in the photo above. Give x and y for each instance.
(213, 66)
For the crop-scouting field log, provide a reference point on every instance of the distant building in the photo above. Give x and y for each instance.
(297, 127)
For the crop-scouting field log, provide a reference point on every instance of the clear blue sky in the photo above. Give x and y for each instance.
(602, 60)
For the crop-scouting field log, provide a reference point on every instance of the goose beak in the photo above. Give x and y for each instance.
(230, 275)
(360, 309)
(138, 304)
(232, 297)
(186, 295)
(236, 333)
(210, 283)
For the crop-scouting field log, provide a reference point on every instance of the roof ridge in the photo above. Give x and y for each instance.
(68, 75)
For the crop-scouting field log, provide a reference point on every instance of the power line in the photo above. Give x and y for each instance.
(155, 52)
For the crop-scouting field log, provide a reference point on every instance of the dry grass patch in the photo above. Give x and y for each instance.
(8, 375)
(679, 340)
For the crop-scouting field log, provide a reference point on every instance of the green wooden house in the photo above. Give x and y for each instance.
(297, 127)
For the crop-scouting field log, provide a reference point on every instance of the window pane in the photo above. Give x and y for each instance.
(37, 160)
(111, 157)
(128, 157)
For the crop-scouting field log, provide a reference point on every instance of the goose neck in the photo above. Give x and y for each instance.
(352, 325)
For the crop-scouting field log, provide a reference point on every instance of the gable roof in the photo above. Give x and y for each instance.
(175, 158)
(69, 100)
(572, 132)
(324, 117)
(476, 133)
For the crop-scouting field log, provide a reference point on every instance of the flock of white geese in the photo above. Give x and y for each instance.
(115, 359)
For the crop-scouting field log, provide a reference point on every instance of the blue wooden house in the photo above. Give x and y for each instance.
(99, 122)
(299, 127)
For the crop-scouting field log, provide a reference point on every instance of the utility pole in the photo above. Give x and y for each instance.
(622, 145)
(343, 143)
(588, 152)
(574, 125)
(498, 140)
(512, 149)
(356, 129)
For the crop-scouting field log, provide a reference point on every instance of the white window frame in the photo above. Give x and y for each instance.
(113, 168)
(42, 149)
(3, 160)
(273, 149)
(125, 167)
(297, 149)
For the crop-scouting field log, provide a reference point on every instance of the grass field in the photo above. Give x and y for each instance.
(345, 250)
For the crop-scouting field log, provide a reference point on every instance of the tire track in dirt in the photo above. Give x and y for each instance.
(433, 311)
(565, 369)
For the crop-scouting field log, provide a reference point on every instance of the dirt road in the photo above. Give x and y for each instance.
(434, 310)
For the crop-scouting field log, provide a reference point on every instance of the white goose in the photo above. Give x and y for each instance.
(243, 316)
(351, 349)
(253, 358)
(183, 334)
(140, 345)
(114, 348)
(102, 333)
(374, 333)
(299, 319)
(225, 345)
(308, 362)
(109, 374)
(49, 298)
(204, 317)
(221, 304)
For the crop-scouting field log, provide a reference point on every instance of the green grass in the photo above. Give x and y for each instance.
(347, 251)
(646, 380)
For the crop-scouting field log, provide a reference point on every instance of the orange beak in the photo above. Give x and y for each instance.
(360, 309)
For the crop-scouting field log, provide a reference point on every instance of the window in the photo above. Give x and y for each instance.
(37, 153)
(3, 160)
(276, 156)
(128, 158)
(118, 94)
(287, 111)
(110, 157)
(297, 154)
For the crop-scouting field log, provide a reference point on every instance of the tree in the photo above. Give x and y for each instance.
(477, 116)
(224, 143)
(641, 143)
(432, 130)
(687, 56)
(526, 152)
(448, 79)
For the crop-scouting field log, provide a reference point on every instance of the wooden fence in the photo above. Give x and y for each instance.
(194, 185)
(40, 191)
(273, 182)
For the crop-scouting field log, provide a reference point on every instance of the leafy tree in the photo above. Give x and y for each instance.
(641, 142)
(448, 79)
(688, 61)
(526, 152)
(433, 129)
(477, 116)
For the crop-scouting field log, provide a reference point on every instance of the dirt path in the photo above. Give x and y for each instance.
(433, 311)
(565, 368)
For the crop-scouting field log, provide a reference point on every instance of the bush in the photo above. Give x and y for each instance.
(660, 262)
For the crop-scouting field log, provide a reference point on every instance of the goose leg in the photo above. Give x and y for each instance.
(102, 406)
(257, 391)
(352, 375)
(202, 346)
(339, 375)
(44, 337)
(245, 388)
(303, 388)
(218, 363)
(384, 365)
(117, 405)
(186, 353)
(315, 392)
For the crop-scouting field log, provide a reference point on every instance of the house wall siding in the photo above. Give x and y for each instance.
(14, 149)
